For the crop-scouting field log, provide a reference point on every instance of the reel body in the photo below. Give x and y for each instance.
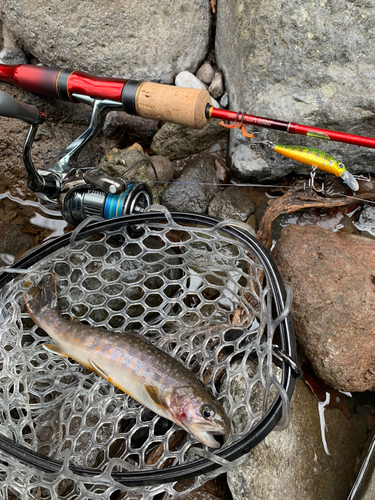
(77, 193)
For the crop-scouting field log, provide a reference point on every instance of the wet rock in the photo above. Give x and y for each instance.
(164, 168)
(176, 141)
(113, 39)
(188, 80)
(200, 185)
(293, 464)
(307, 75)
(333, 278)
(13, 243)
(205, 73)
(366, 220)
(124, 129)
(12, 55)
(231, 204)
(134, 164)
(216, 88)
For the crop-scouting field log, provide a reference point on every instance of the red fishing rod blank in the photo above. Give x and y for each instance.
(189, 107)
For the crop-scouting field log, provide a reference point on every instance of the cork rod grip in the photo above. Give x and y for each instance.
(179, 105)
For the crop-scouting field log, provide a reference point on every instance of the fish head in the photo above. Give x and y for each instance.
(197, 411)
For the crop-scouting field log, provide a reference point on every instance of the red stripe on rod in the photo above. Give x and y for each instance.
(293, 128)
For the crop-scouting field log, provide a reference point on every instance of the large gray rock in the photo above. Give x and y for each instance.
(294, 62)
(150, 40)
(194, 188)
(294, 464)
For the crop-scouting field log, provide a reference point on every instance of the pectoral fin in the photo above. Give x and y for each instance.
(55, 349)
(97, 369)
(155, 395)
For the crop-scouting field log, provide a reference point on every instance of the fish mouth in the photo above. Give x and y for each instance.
(205, 435)
(207, 438)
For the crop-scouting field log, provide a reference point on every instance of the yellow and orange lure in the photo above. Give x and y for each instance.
(318, 159)
(310, 156)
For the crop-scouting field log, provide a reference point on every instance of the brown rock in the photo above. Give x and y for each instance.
(333, 278)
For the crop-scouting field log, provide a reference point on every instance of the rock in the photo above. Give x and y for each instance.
(133, 164)
(200, 185)
(215, 489)
(307, 75)
(216, 89)
(293, 464)
(366, 220)
(188, 80)
(205, 73)
(13, 243)
(224, 101)
(231, 204)
(124, 129)
(177, 141)
(249, 163)
(113, 38)
(12, 55)
(164, 168)
(333, 278)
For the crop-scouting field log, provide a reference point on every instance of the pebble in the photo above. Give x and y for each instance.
(224, 101)
(188, 80)
(205, 73)
(216, 89)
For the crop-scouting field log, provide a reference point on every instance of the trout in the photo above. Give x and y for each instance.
(127, 360)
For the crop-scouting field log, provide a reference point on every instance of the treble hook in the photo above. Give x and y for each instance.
(312, 181)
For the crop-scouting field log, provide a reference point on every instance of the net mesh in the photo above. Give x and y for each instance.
(195, 292)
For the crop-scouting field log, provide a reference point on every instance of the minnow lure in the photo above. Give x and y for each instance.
(127, 360)
(318, 159)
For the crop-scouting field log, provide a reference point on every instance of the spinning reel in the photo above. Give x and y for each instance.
(77, 192)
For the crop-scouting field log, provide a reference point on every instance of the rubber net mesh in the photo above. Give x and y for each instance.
(195, 292)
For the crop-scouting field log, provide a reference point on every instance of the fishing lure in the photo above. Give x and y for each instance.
(310, 156)
(318, 159)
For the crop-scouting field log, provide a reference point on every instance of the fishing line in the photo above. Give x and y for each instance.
(274, 186)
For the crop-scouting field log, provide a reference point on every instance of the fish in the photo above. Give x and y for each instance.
(318, 159)
(127, 360)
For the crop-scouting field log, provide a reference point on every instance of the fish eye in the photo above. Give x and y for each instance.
(208, 412)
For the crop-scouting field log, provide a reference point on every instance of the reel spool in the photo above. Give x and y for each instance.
(181, 283)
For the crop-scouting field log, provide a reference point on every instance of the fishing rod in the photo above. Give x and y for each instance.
(184, 106)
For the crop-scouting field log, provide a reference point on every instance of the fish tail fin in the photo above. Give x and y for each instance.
(41, 301)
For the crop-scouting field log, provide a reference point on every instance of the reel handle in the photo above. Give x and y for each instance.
(11, 108)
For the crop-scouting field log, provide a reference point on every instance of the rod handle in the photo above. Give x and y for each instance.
(180, 105)
(11, 108)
